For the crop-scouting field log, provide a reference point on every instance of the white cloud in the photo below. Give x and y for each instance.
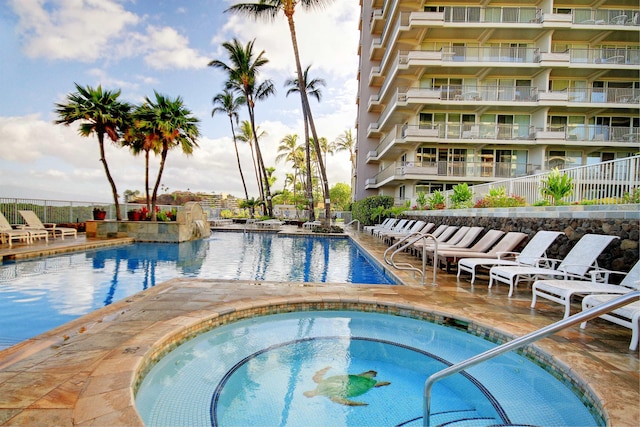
(80, 30)
(168, 49)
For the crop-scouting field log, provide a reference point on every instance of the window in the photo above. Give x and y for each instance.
(401, 192)
(426, 156)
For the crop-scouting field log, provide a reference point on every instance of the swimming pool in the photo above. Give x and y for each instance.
(39, 294)
(281, 370)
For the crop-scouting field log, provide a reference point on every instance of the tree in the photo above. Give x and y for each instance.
(270, 9)
(226, 103)
(313, 89)
(290, 151)
(243, 73)
(346, 142)
(130, 195)
(246, 135)
(99, 112)
(167, 124)
(340, 196)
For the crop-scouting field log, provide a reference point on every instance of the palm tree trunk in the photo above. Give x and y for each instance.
(235, 144)
(261, 165)
(307, 150)
(109, 177)
(146, 179)
(154, 197)
(306, 108)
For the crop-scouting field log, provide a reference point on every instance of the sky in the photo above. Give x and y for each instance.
(142, 46)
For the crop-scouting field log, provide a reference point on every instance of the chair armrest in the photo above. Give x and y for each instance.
(601, 275)
(507, 255)
(49, 225)
(546, 262)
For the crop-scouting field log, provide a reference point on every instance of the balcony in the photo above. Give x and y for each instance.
(481, 171)
(600, 134)
(488, 93)
(601, 95)
(628, 17)
(605, 56)
(506, 15)
(494, 54)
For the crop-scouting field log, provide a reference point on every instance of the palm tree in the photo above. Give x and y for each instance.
(99, 112)
(167, 124)
(270, 9)
(138, 141)
(246, 135)
(289, 150)
(313, 89)
(346, 142)
(243, 73)
(226, 103)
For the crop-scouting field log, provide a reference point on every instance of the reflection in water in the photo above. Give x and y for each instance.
(37, 295)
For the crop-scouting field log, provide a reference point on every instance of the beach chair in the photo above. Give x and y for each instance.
(9, 234)
(576, 265)
(387, 223)
(627, 315)
(561, 291)
(34, 223)
(414, 227)
(531, 254)
(397, 226)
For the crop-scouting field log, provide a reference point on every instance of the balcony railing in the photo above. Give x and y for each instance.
(491, 14)
(457, 169)
(609, 56)
(602, 133)
(456, 130)
(488, 93)
(602, 95)
(491, 54)
(603, 183)
(606, 17)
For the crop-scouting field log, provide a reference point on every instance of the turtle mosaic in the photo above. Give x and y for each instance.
(339, 388)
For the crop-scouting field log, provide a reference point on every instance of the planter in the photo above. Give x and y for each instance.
(134, 216)
(99, 215)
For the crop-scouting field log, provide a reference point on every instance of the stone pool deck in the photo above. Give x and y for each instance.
(84, 372)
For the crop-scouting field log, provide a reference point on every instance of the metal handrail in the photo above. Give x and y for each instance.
(414, 236)
(355, 220)
(521, 342)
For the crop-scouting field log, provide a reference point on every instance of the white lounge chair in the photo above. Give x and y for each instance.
(34, 223)
(404, 229)
(8, 234)
(395, 227)
(414, 227)
(485, 247)
(576, 265)
(561, 291)
(627, 315)
(530, 255)
(386, 224)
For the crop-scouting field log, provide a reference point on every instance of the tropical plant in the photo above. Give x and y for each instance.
(167, 124)
(251, 204)
(362, 209)
(313, 89)
(225, 102)
(556, 186)
(243, 73)
(421, 200)
(436, 200)
(246, 135)
(289, 150)
(632, 197)
(99, 112)
(270, 9)
(461, 197)
(377, 213)
(346, 142)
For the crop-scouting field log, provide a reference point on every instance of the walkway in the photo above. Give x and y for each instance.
(83, 373)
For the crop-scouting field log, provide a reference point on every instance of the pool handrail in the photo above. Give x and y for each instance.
(412, 238)
(521, 342)
(355, 220)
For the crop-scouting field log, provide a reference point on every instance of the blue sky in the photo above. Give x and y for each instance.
(140, 46)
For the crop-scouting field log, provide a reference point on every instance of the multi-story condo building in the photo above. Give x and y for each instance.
(478, 91)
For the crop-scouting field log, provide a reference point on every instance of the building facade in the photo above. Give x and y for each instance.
(480, 91)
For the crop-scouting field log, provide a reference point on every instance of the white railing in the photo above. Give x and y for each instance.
(64, 211)
(603, 183)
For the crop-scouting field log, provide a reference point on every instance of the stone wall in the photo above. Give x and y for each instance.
(620, 255)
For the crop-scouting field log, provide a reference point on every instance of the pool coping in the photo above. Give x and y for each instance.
(84, 372)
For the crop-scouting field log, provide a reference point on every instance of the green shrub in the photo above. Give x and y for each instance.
(462, 196)
(421, 200)
(437, 200)
(556, 186)
(362, 210)
(501, 200)
(633, 197)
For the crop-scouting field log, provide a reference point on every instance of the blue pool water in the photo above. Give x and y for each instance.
(40, 294)
(276, 370)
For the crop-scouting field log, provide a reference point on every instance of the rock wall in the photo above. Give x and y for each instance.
(620, 255)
